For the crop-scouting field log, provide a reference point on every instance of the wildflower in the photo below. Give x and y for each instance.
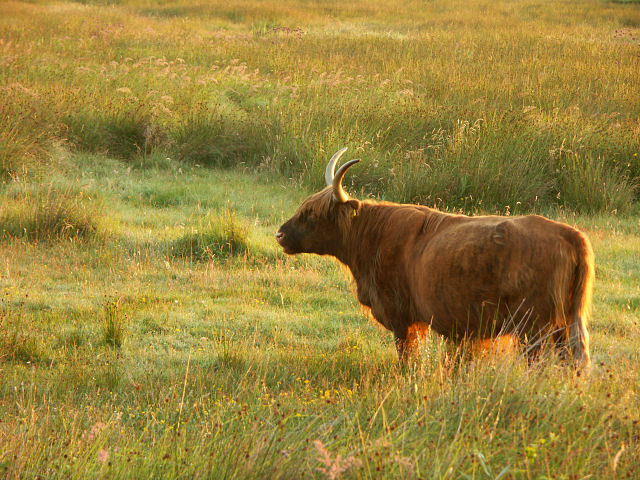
(333, 468)
(103, 456)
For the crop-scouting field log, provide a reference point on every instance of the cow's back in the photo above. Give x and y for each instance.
(481, 275)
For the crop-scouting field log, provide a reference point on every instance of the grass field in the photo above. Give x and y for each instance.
(150, 326)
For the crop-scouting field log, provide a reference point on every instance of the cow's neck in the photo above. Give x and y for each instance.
(381, 231)
(375, 250)
(362, 239)
(361, 250)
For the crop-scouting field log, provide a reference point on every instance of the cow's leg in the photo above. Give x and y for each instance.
(571, 344)
(402, 346)
(500, 346)
(579, 344)
(408, 339)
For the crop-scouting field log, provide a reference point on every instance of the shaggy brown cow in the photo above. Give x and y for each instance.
(478, 277)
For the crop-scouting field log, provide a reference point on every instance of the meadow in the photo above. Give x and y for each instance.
(151, 327)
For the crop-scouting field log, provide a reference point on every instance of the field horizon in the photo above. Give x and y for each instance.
(150, 326)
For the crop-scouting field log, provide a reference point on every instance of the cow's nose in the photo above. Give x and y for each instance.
(279, 236)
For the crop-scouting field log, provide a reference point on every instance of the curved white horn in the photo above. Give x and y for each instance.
(339, 195)
(331, 166)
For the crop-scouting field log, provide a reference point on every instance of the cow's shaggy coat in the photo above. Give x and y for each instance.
(465, 277)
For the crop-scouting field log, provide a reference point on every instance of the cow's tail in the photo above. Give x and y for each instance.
(580, 308)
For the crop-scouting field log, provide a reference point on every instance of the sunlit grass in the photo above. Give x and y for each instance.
(281, 373)
(139, 140)
(473, 105)
(218, 234)
(46, 213)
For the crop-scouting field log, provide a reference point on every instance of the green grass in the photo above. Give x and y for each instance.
(261, 365)
(218, 234)
(151, 327)
(41, 213)
(113, 324)
(475, 105)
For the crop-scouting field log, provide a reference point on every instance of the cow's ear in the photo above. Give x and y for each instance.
(354, 205)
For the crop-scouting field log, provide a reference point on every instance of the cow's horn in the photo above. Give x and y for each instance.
(331, 166)
(339, 194)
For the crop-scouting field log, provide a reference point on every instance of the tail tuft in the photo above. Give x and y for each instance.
(581, 294)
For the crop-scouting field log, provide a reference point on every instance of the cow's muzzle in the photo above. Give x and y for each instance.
(280, 237)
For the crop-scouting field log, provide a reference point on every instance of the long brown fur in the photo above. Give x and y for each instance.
(419, 269)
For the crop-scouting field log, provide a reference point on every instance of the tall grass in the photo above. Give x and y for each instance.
(17, 344)
(122, 133)
(47, 213)
(461, 104)
(218, 234)
(25, 139)
(355, 417)
(218, 140)
(267, 368)
(113, 323)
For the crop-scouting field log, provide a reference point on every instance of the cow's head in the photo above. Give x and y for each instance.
(320, 224)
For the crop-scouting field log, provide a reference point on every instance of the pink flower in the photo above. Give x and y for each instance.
(103, 456)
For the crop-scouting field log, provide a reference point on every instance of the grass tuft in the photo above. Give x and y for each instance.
(44, 214)
(123, 132)
(114, 323)
(222, 139)
(219, 234)
(25, 137)
(16, 342)
(597, 185)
